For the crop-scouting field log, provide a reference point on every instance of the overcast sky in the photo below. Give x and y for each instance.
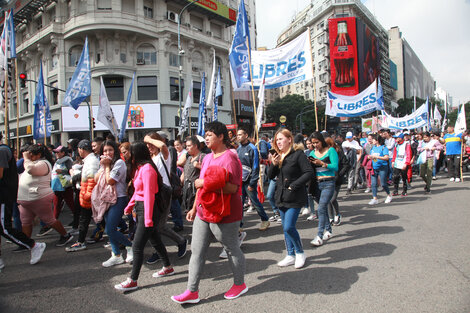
(437, 30)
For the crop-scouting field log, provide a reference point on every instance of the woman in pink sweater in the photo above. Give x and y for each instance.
(146, 212)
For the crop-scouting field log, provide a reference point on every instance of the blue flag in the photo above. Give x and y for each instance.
(126, 111)
(80, 86)
(240, 50)
(380, 95)
(218, 93)
(11, 34)
(41, 111)
(202, 108)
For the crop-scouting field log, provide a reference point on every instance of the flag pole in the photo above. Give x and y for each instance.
(45, 126)
(234, 116)
(17, 111)
(252, 92)
(314, 85)
(90, 113)
(461, 158)
(7, 131)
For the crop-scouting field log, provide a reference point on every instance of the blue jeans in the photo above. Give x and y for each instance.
(434, 169)
(270, 196)
(323, 195)
(253, 195)
(381, 172)
(113, 218)
(175, 211)
(291, 235)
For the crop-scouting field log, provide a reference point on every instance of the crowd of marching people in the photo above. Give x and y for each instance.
(132, 190)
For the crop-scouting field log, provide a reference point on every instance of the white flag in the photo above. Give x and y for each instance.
(186, 108)
(259, 112)
(461, 122)
(210, 95)
(437, 114)
(105, 113)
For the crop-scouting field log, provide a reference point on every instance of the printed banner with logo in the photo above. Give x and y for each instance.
(288, 64)
(418, 118)
(363, 103)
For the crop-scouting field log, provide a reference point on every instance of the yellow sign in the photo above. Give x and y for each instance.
(28, 130)
(282, 119)
(218, 8)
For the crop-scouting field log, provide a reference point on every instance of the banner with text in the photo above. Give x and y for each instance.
(418, 118)
(288, 64)
(139, 116)
(350, 106)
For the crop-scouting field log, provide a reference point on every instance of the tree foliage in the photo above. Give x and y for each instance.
(291, 106)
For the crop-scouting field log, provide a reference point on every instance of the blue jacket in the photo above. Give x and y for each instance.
(249, 156)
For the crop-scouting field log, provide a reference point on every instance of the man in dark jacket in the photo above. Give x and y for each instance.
(249, 157)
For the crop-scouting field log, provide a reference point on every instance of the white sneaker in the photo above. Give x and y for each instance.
(367, 190)
(336, 220)
(434, 178)
(311, 217)
(452, 179)
(327, 235)
(113, 260)
(305, 211)
(37, 251)
(241, 237)
(250, 210)
(457, 180)
(223, 254)
(300, 260)
(130, 255)
(288, 260)
(389, 199)
(317, 241)
(374, 201)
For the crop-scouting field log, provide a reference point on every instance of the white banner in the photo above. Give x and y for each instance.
(350, 106)
(418, 118)
(140, 116)
(288, 64)
(461, 122)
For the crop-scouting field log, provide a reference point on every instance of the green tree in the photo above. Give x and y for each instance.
(291, 106)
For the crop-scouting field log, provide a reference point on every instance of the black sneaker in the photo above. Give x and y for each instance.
(348, 192)
(182, 248)
(20, 249)
(44, 231)
(64, 240)
(427, 190)
(153, 259)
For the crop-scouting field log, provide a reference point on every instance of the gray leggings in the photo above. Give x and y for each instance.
(227, 235)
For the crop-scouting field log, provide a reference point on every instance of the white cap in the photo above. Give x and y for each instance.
(349, 135)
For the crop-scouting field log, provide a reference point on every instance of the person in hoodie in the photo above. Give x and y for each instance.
(62, 183)
(249, 157)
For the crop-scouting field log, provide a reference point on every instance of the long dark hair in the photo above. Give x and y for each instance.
(318, 136)
(117, 152)
(42, 151)
(140, 155)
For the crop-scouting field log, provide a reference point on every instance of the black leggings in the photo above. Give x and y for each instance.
(397, 175)
(7, 231)
(142, 235)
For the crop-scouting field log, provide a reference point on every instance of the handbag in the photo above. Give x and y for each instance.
(422, 158)
(246, 172)
(175, 182)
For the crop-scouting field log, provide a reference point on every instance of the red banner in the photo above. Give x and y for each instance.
(265, 125)
(231, 126)
(343, 56)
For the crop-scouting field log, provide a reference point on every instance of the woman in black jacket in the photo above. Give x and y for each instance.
(293, 171)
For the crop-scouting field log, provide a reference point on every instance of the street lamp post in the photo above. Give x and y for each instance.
(180, 53)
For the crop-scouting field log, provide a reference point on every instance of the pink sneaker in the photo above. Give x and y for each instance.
(236, 291)
(187, 297)
(164, 272)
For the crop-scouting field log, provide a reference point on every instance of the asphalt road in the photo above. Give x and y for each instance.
(409, 256)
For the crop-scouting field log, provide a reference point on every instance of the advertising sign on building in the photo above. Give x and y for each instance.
(140, 116)
(368, 56)
(343, 56)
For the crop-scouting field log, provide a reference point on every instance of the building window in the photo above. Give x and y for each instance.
(114, 87)
(54, 93)
(104, 4)
(320, 26)
(173, 59)
(74, 55)
(148, 8)
(197, 23)
(147, 88)
(197, 62)
(174, 88)
(196, 92)
(146, 55)
(25, 103)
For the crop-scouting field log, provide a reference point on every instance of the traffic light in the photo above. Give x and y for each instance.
(23, 80)
(94, 125)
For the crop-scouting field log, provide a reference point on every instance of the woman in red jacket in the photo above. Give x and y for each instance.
(143, 204)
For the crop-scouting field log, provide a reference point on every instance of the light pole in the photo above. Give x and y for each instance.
(180, 53)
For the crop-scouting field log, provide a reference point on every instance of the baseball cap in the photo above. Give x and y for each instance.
(85, 144)
(349, 135)
(401, 136)
(60, 149)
